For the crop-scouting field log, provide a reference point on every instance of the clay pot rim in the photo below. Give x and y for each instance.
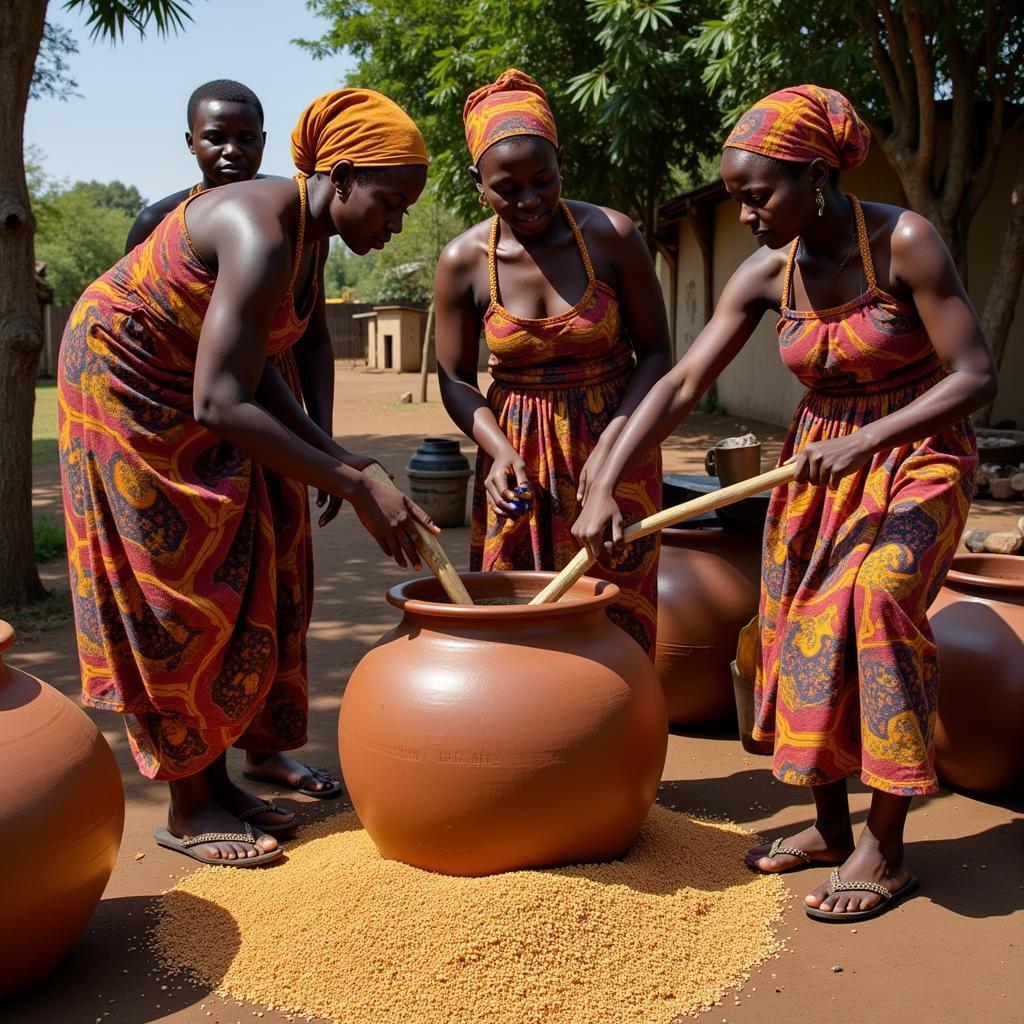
(6, 636)
(588, 595)
(963, 578)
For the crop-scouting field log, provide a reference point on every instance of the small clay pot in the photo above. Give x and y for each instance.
(487, 738)
(437, 474)
(61, 818)
(708, 587)
(978, 623)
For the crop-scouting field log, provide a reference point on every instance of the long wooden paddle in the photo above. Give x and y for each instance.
(667, 517)
(430, 549)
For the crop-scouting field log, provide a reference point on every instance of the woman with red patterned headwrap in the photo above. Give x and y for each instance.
(189, 619)
(570, 308)
(874, 320)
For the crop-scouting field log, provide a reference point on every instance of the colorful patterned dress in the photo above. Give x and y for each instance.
(849, 671)
(190, 593)
(557, 383)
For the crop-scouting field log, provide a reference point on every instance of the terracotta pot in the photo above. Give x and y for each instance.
(61, 817)
(486, 738)
(978, 622)
(708, 586)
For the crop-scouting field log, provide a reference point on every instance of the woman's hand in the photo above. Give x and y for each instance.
(508, 471)
(599, 527)
(390, 517)
(330, 503)
(825, 463)
(592, 467)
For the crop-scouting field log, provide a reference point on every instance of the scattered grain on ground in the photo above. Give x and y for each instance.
(337, 931)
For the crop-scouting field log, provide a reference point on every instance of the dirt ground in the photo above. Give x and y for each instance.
(951, 954)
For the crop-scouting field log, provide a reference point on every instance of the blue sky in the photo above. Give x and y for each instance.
(129, 120)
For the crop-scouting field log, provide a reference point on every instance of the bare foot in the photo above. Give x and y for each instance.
(867, 863)
(287, 771)
(821, 850)
(186, 823)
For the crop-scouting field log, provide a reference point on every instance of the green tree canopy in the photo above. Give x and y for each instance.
(625, 93)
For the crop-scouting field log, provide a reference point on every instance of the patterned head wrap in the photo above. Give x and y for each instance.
(358, 125)
(514, 104)
(802, 123)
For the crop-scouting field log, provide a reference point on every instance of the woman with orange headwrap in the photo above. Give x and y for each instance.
(170, 411)
(572, 313)
(874, 320)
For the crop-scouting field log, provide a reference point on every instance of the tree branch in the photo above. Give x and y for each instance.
(897, 35)
(924, 76)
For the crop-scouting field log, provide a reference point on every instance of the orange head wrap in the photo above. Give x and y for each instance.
(358, 125)
(514, 104)
(802, 123)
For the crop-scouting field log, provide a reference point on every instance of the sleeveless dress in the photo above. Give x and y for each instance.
(849, 673)
(557, 383)
(188, 562)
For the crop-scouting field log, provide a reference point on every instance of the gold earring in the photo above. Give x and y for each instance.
(482, 199)
(819, 201)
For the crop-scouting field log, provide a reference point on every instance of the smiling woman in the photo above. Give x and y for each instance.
(570, 308)
(185, 459)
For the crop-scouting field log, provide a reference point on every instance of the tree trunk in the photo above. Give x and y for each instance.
(21, 327)
(428, 337)
(1004, 292)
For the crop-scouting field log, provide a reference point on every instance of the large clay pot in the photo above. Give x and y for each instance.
(708, 586)
(487, 738)
(61, 817)
(978, 622)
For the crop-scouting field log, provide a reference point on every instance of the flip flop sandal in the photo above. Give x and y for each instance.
(172, 842)
(777, 849)
(261, 808)
(888, 901)
(319, 775)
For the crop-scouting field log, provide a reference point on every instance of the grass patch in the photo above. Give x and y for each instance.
(44, 424)
(48, 538)
(32, 621)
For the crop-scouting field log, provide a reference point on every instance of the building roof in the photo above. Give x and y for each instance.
(676, 209)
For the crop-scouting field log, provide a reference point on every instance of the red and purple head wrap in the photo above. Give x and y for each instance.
(514, 104)
(802, 123)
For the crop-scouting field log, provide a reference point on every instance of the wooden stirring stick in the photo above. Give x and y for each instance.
(667, 517)
(430, 549)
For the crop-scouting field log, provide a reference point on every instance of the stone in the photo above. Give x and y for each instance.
(1008, 543)
(1002, 489)
(1017, 482)
(1020, 525)
(405, 398)
(974, 540)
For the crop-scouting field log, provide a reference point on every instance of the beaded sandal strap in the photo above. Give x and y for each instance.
(778, 849)
(260, 808)
(837, 885)
(248, 836)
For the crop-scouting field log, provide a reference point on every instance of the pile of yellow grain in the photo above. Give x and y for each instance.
(336, 931)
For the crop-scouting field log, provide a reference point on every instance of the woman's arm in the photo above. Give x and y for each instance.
(740, 308)
(254, 257)
(922, 264)
(645, 320)
(457, 325)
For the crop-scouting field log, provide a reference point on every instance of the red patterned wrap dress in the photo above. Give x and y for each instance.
(849, 674)
(557, 382)
(190, 565)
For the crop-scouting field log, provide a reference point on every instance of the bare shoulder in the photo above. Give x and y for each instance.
(758, 280)
(602, 223)
(464, 252)
(904, 229)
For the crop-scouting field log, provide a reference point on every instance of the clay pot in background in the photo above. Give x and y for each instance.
(437, 474)
(978, 622)
(488, 738)
(61, 817)
(708, 587)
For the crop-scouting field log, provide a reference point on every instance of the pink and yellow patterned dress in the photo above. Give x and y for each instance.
(557, 383)
(849, 672)
(189, 564)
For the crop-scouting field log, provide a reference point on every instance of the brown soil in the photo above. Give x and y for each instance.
(951, 953)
